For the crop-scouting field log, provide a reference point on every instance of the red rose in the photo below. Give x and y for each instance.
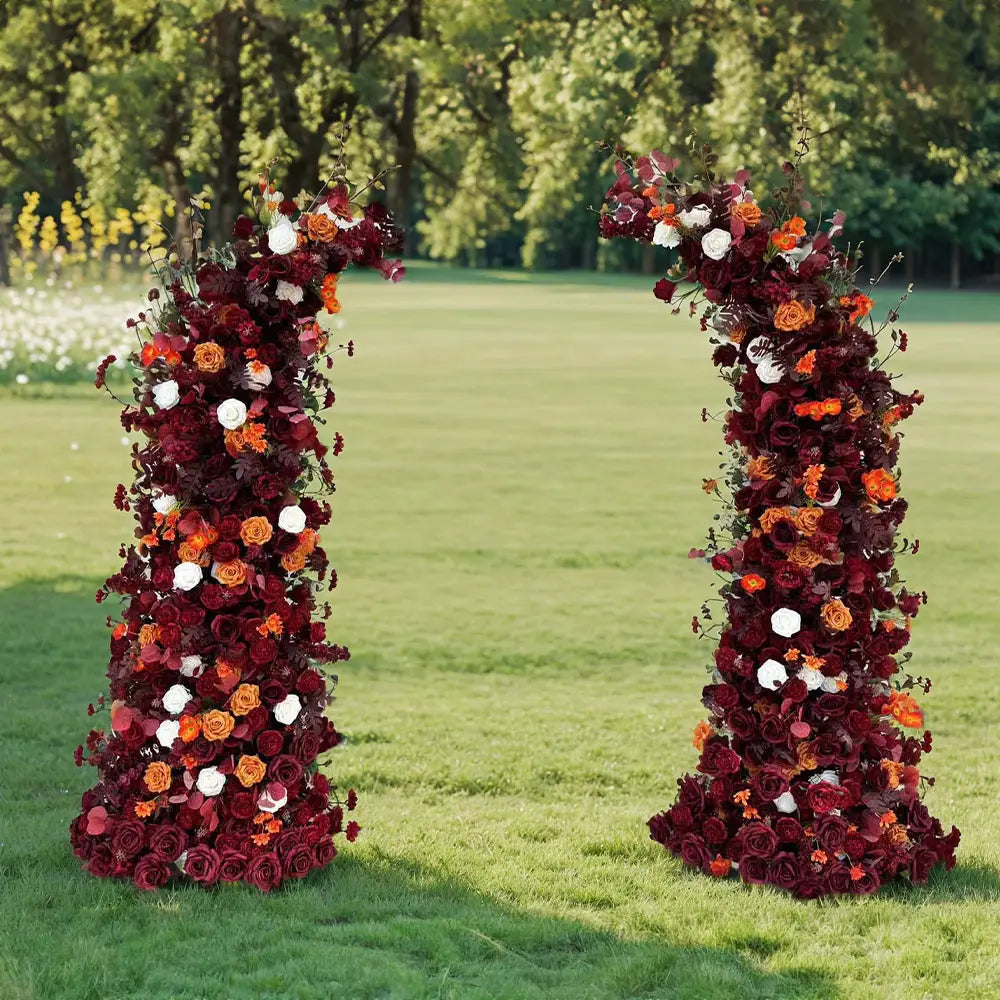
(167, 841)
(202, 864)
(127, 838)
(310, 682)
(242, 805)
(264, 871)
(99, 862)
(352, 831)
(324, 851)
(232, 866)
(298, 861)
(824, 798)
(693, 850)
(753, 870)
(788, 829)
(771, 782)
(306, 746)
(715, 830)
(718, 758)
(831, 832)
(784, 870)
(151, 872)
(270, 742)
(285, 769)
(759, 840)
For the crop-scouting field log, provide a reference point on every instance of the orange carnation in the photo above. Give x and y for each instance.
(256, 531)
(753, 582)
(836, 616)
(244, 699)
(793, 315)
(250, 770)
(209, 357)
(230, 574)
(216, 725)
(158, 776)
(880, 485)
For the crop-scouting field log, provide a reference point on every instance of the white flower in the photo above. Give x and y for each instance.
(830, 777)
(288, 292)
(192, 666)
(832, 684)
(716, 243)
(769, 371)
(175, 698)
(771, 675)
(187, 576)
(785, 803)
(666, 236)
(786, 622)
(210, 781)
(272, 798)
(164, 504)
(231, 413)
(287, 710)
(813, 679)
(258, 375)
(282, 237)
(292, 519)
(796, 256)
(167, 731)
(693, 218)
(166, 394)
(833, 501)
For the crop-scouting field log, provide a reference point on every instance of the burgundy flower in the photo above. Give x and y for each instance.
(759, 840)
(718, 759)
(264, 871)
(298, 861)
(150, 872)
(232, 866)
(202, 864)
(167, 841)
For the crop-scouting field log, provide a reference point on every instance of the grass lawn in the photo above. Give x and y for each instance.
(518, 494)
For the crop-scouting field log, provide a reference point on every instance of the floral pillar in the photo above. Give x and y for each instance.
(207, 766)
(805, 779)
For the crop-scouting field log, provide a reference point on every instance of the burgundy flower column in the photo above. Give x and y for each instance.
(804, 779)
(208, 767)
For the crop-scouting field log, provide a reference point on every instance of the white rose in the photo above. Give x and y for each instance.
(769, 371)
(258, 375)
(832, 684)
(833, 501)
(292, 520)
(813, 679)
(175, 698)
(786, 622)
(771, 675)
(716, 243)
(210, 781)
(231, 413)
(287, 711)
(288, 292)
(166, 394)
(167, 731)
(785, 803)
(164, 504)
(282, 237)
(192, 666)
(187, 576)
(830, 777)
(666, 236)
(693, 218)
(272, 798)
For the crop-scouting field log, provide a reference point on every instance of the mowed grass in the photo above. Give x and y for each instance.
(517, 499)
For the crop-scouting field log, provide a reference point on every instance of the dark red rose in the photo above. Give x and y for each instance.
(324, 851)
(285, 769)
(127, 837)
(718, 758)
(837, 878)
(167, 841)
(151, 872)
(691, 794)
(753, 869)
(788, 829)
(306, 746)
(264, 871)
(715, 830)
(351, 831)
(242, 805)
(824, 797)
(771, 782)
(743, 723)
(921, 865)
(270, 742)
(297, 862)
(721, 791)
(232, 866)
(831, 832)
(694, 851)
(759, 840)
(309, 682)
(99, 862)
(785, 871)
(263, 651)
(202, 864)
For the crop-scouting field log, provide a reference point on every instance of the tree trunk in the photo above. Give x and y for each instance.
(5, 217)
(228, 38)
(588, 253)
(406, 138)
(955, 277)
(648, 258)
(184, 235)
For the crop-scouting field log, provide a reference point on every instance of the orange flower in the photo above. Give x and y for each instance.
(806, 757)
(190, 727)
(819, 856)
(880, 485)
(857, 407)
(250, 770)
(742, 798)
(253, 437)
(244, 699)
(720, 866)
(158, 776)
(807, 520)
(328, 292)
(293, 561)
(702, 732)
(887, 819)
(760, 468)
(145, 809)
(814, 662)
(209, 357)
(857, 873)
(187, 552)
(320, 228)
(804, 556)
(216, 726)
(819, 409)
(261, 839)
(793, 315)
(773, 515)
(893, 772)
(228, 674)
(806, 364)
(747, 212)
(235, 442)
(271, 624)
(256, 531)
(662, 213)
(119, 630)
(753, 582)
(230, 574)
(709, 485)
(811, 479)
(860, 305)
(836, 616)
(148, 634)
(905, 710)
(791, 655)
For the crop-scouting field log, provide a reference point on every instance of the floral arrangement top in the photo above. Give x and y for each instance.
(208, 767)
(805, 779)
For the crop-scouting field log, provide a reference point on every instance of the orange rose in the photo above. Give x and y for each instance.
(216, 725)
(230, 574)
(148, 634)
(158, 776)
(803, 555)
(256, 531)
(807, 520)
(836, 616)
(320, 228)
(250, 770)
(747, 212)
(881, 485)
(293, 561)
(773, 515)
(187, 552)
(793, 315)
(760, 468)
(244, 699)
(209, 357)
